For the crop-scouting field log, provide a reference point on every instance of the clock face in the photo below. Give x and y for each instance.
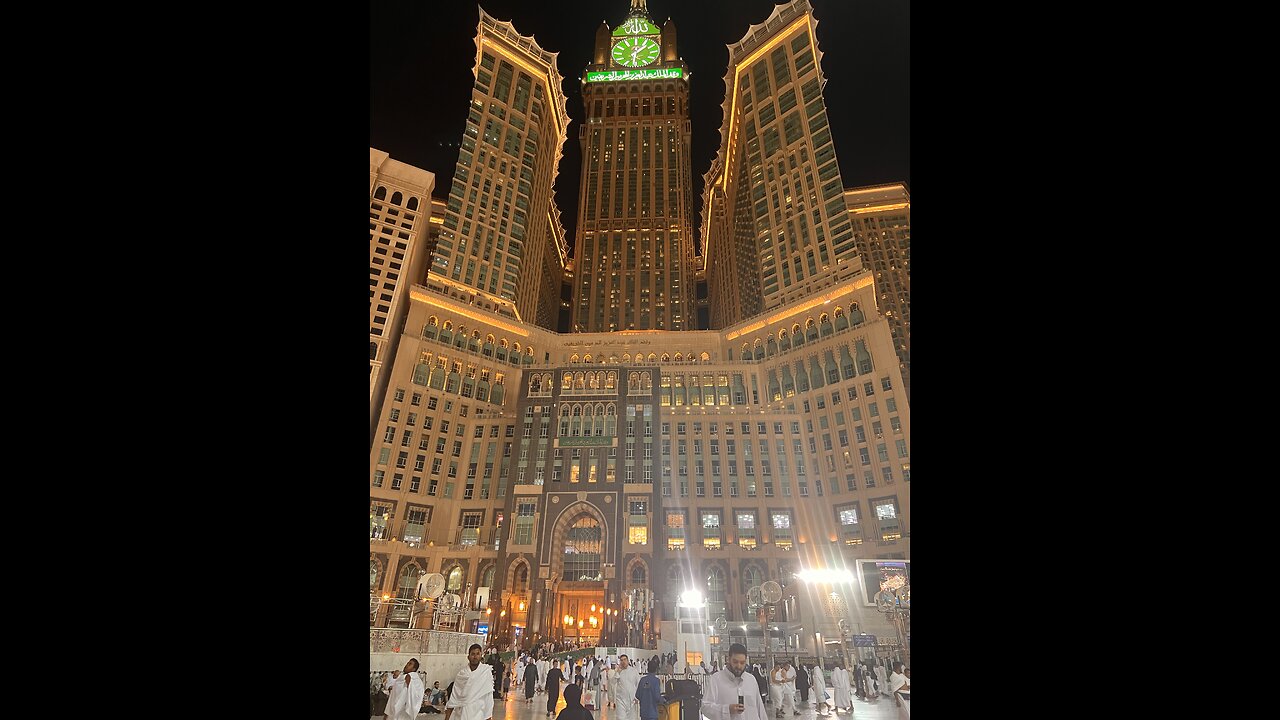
(635, 52)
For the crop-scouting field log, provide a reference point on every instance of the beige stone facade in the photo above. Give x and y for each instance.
(775, 222)
(550, 475)
(881, 216)
(748, 453)
(399, 212)
(501, 236)
(634, 250)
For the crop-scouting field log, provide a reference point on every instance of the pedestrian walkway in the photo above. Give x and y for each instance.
(514, 708)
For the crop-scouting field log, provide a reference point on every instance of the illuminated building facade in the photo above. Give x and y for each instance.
(776, 226)
(545, 474)
(502, 238)
(881, 216)
(634, 253)
(399, 212)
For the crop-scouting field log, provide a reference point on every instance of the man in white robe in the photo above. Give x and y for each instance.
(392, 685)
(819, 687)
(472, 689)
(407, 701)
(624, 682)
(842, 690)
(543, 668)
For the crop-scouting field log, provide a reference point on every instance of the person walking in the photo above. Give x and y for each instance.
(761, 682)
(841, 697)
(789, 688)
(802, 686)
(573, 708)
(622, 686)
(776, 681)
(732, 695)
(819, 689)
(530, 682)
(472, 689)
(649, 693)
(552, 684)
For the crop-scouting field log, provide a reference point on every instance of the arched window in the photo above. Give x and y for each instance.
(455, 579)
(566, 382)
(488, 577)
(397, 198)
(407, 587)
(611, 381)
(413, 203)
(715, 585)
(586, 358)
(637, 574)
(522, 579)
(666, 357)
(705, 357)
(582, 550)
(626, 357)
(679, 357)
(751, 577)
(653, 358)
(373, 351)
(373, 575)
(381, 193)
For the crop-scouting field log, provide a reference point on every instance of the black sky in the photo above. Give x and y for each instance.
(422, 51)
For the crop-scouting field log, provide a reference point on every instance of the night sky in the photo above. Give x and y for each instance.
(422, 52)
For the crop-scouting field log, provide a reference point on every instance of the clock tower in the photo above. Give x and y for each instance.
(633, 254)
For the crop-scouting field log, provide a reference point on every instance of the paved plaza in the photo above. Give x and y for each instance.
(514, 708)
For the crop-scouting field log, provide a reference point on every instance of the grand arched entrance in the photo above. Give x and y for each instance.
(579, 569)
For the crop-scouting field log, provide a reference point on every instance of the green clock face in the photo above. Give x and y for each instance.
(635, 52)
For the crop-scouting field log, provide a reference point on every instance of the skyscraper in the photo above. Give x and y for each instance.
(775, 223)
(634, 253)
(575, 485)
(399, 212)
(881, 216)
(501, 238)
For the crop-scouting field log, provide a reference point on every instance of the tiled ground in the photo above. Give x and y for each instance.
(514, 708)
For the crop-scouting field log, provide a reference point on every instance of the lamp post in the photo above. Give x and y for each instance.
(894, 600)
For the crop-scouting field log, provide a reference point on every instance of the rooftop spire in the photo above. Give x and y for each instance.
(638, 6)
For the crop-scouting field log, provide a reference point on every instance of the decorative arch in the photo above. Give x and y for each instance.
(560, 532)
(705, 356)
(407, 580)
(666, 357)
(380, 193)
(397, 198)
(653, 358)
(521, 565)
(376, 568)
(455, 576)
(637, 565)
(586, 358)
(626, 357)
(679, 357)
(413, 203)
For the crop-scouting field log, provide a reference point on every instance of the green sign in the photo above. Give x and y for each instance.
(636, 26)
(616, 75)
(585, 441)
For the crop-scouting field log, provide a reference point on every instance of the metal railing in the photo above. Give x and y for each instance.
(421, 642)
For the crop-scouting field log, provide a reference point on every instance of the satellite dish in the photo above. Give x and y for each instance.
(721, 623)
(771, 592)
(431, 586)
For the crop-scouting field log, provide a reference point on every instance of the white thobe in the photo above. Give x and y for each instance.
(723, 689)
(473, 693)
(818, 687)
(406, 703)
(543, 667)
(624, 684)
(841, 692)
(394, 687)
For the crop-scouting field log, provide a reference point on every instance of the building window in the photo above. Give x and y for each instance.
(471, 527)
(782, 535)
(675, 530)
(711, 530)
(746, 530)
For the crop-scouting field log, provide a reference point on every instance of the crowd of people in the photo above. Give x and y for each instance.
(594, 682)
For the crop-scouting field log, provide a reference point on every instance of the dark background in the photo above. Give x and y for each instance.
(422, 54)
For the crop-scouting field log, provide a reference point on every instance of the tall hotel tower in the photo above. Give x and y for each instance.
(399, 211)
(502, 244)
(634, 256)
(776, 225)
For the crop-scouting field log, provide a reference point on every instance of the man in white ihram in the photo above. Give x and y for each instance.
(472, 689)
(406, 698)
(625, 680)
(733, 695)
